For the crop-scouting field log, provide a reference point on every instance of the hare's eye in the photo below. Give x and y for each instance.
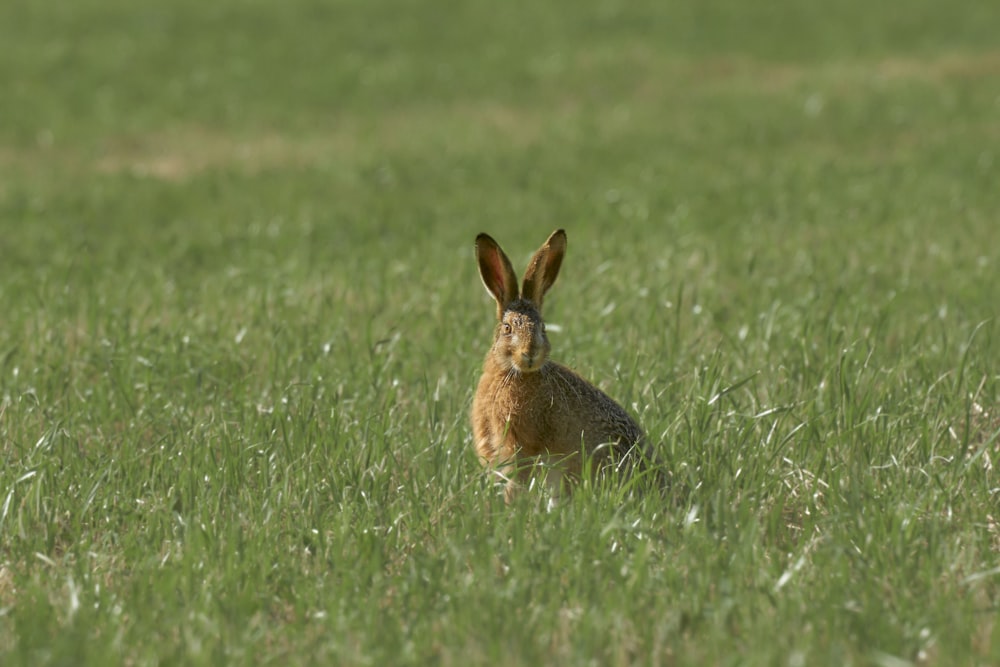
(506, 327)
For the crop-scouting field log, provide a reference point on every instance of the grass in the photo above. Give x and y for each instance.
(242, 327)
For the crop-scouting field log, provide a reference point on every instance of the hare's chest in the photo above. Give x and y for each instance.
(525, 415)
(535, 425)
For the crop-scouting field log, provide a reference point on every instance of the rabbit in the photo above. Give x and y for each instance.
(529, 410)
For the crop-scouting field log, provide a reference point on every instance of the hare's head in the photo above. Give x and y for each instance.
(519, 341)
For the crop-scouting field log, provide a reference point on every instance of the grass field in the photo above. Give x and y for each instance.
(242, 325)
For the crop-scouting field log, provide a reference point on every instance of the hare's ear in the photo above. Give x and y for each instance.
(544, 267)
(496, 271)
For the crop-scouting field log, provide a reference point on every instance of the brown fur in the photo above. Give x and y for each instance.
(528, 409)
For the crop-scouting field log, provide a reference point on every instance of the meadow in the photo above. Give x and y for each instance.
(242, 326)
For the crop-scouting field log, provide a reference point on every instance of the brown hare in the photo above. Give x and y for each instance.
(529, 410)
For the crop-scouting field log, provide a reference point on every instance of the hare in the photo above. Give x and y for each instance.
(529, 410)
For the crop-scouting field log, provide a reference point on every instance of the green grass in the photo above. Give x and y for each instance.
(242, 326)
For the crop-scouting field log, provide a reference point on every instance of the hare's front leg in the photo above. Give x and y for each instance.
(555, 473)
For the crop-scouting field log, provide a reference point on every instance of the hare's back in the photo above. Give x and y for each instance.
(591, 413)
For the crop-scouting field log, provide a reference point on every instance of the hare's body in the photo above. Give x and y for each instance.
(528, 409)
(550, 416)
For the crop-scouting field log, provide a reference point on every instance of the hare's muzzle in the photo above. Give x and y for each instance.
(530, 361)
(534, 349)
